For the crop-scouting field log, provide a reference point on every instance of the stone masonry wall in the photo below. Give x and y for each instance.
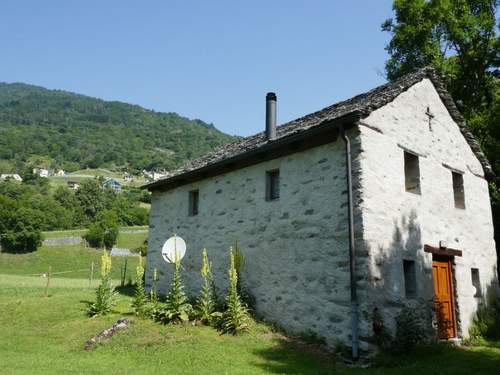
(397, 224)
(296, 248)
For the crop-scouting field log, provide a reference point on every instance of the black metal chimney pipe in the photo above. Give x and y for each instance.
(271, 116)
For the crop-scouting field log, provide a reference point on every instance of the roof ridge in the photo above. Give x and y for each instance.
(363, 103)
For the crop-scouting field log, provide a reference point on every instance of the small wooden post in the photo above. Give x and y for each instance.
(48, 282)
(91, 277)
(125, 271)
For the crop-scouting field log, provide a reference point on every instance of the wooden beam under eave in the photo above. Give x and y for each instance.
(443, 251)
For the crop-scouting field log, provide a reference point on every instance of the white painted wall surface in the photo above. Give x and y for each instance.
(397, 223)
(295, 247)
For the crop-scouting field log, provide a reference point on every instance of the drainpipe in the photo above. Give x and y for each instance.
(352, 249)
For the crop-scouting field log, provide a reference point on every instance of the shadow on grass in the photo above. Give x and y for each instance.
(441, 359)
(128, 290)
(290, 356)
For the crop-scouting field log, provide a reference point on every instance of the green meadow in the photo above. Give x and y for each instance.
(45, 334)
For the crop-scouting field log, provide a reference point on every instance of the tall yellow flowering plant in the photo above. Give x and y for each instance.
(105, 292)
(140, 303)
(205, 304)
(235, 319)
(177, 308)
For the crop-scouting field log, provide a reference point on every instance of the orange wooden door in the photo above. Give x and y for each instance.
(443, 291)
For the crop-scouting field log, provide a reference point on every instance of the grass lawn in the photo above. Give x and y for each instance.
(130, 240)
(65, 261)
(45, 335)
(81, 232)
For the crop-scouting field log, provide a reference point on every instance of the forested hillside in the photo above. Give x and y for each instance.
(71, 131)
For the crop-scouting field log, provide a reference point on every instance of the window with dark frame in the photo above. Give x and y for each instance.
(412, 173)
(194, 198)
(458, 189)
(476, 282)
(410, 276)
(272, 185)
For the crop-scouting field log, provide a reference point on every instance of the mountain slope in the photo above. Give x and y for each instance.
(71, 131)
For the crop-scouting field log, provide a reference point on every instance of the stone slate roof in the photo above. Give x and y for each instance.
(364, 104)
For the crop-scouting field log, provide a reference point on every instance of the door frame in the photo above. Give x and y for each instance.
(451, 276)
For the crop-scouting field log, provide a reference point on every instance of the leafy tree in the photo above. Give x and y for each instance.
(459, 38)
(8, 206)
(22, 234)
(71, 131)
(129, 212)
(91, 197)
(104, 232)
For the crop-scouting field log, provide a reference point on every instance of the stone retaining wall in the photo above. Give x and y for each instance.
(61, 241)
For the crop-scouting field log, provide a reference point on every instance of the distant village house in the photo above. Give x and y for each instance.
(73, 185)
(11, 176)
(111, 183)
(42, 172)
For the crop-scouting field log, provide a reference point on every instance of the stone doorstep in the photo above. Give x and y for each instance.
(455, 341)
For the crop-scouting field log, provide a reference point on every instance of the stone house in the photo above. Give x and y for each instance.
(11, 176)
(374, 203)
(111, 183)
(73, 185)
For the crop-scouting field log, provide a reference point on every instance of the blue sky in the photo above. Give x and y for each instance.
(213, 60)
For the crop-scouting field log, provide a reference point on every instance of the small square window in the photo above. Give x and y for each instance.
(194, 198)
(458, 189)
(273, 185)
(476, 282)
(412, 173)
(410, 278)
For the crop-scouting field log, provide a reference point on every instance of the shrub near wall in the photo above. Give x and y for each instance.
(486, 323)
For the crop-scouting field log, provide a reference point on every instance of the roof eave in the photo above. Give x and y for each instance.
(288, 144)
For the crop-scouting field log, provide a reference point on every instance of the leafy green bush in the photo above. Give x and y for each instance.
(486, 323)
(205, 305)
(235, 319)
(410, 330)
(105, 292)
(19, 232)
(104, 232)
(22, 241)
(177, 309)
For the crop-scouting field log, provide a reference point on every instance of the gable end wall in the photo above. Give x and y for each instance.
(397, 224)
